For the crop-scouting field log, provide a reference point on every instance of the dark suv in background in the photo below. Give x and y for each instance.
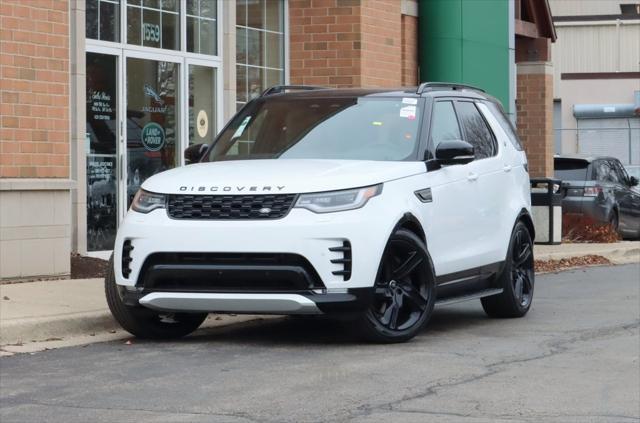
(600, 188)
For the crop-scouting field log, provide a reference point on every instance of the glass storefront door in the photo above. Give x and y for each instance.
(153, 87)
(152, 124)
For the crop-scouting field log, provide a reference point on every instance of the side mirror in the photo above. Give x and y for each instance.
(454, 152)
(633, 181)
(194, 153)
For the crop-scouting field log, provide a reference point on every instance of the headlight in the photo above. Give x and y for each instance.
(144, 201)
(333, 201)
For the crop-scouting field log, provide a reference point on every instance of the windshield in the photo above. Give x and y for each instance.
(571, 169)
(353, 128)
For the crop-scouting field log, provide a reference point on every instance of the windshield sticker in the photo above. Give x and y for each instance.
(408, 100)
(240, 129)
(408, 112)
(377, 123)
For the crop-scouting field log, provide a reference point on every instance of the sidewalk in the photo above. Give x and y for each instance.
(622, 252)
(52, 312)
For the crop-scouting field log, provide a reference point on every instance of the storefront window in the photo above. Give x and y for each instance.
(202, 26)
(259, 47)
(154, 23)
(103, 20)
(100, 146)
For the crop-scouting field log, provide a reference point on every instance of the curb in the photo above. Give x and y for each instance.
(37, 334)
(617, 253)
(39, 329)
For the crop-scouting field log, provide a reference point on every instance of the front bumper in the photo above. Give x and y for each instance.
(352, 300)
(319, 286)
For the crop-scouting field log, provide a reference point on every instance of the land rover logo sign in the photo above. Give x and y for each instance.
(153, 136)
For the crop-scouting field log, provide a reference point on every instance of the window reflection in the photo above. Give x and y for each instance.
(259, 47)
(103, 20)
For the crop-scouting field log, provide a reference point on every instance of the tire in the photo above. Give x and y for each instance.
(146, 323)
(517, 279)
(614, 221)
(404, 291)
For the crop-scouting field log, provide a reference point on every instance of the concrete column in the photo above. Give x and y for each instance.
(229, 58)
(534, 104)
(78, 127)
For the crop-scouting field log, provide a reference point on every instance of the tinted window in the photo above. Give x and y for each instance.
(605, 172)
(444, 125)
(623, 177)
(349, 128)
(506, 125)
(571, 170)
(476, 131)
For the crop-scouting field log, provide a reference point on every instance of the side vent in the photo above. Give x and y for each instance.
(344, 261)
(126, 258)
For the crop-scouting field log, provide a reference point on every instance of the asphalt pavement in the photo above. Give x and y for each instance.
(573, 358)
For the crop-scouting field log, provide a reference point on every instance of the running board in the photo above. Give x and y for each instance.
(474, 296)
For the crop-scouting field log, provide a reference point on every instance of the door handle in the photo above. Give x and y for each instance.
(507, 168)
(472, 176)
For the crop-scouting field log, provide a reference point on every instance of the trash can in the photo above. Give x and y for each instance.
(546, 206)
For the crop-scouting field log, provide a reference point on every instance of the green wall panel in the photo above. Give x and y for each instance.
(466, 41)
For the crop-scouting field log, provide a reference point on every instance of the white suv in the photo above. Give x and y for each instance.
(374, 204)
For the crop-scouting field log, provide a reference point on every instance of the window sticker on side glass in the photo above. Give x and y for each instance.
(409, 100)
(240, 129)
(408, 112)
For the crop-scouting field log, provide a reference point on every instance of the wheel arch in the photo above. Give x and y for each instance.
(525, 218)
(410, 222)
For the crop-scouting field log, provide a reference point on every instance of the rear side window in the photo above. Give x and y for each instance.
(571, 170)
(505, 124)
(606, 172)
(476, 131)
(444, 126)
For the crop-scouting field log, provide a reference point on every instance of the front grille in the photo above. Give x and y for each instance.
(228, 272)
(230, 207)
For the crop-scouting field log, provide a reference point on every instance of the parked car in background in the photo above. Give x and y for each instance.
(600, 188)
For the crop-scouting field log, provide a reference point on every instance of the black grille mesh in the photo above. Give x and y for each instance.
(229, 207)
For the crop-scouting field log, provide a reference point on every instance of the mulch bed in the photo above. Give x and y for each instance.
(544, 266)
(87, 267)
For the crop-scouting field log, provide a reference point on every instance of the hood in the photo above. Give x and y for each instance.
(287, 176)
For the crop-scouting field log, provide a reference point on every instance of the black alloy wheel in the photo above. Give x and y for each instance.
(404, 292)
(517, 279)
(522, 267)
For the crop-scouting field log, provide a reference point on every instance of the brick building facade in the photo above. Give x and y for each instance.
(83, 82)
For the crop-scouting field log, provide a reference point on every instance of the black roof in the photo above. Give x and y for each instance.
(321, 92)
(584, 158)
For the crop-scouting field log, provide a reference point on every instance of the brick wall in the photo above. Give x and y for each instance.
(534, 106)
(345, 43)
(409, 50)
(324, 42)
(34, 89)
(381, 43)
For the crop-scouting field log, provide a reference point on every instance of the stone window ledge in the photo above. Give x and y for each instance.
(33, 184)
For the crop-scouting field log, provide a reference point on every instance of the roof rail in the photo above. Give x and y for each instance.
(277, 89)
(426, 86)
